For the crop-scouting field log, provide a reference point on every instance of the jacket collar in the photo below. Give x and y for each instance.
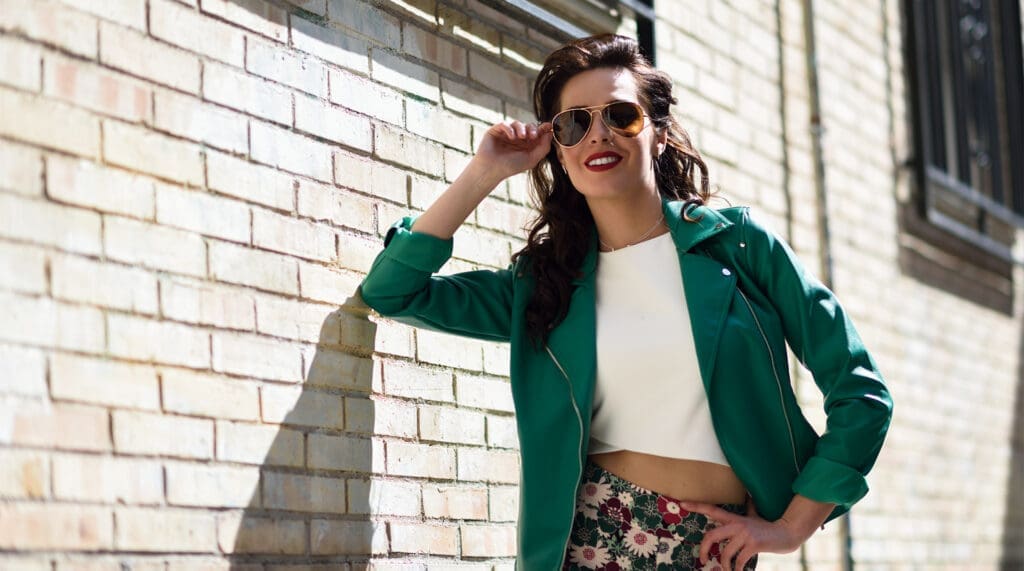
(685, 233)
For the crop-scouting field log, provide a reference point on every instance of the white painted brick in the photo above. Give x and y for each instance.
(417, 382)
(155, 434)
(190, 118)
(420, 460)
(24, 371)
(256, 15)
(333, 123)
(27, 268)
(127, 12)
(498, 77)
(424, 538)
(202, 213)
(197, 394)
(504, 503)
(497, 358)
(298, 492)
(455, 162)
(292, 236)
(318, 7)
(24, 474)
(438, 125)
(340, 207)
(212, 486)
(154, 247)
(157, 341)
(257, 357)
(299, 406)
(383, 417)
(338, 369)
(165, 530)
(21, 169)
(275, 62)
(335, 537)
(462, 98)
(482, 247)
(291, 152)
(367, 20)
(455, 502)
(21, 63)
(322, 283)
(233, 88)
(293, 319)
(243, 533)
(444, 424)
(393, 338)
(448, 350)
(342, 453)
(47, 22)
(476, 464)
(153, 153)
(259, 444)
(406, 149)
(97, 89)
(249, 181)
(61, 426)
(331, 45)
(505, 217)
(356, 252)
(106, 479)
(263, 270)
(384, 497)
(186, 28)
(48, 123)
(405, 76)
(488, 541)
(387, 211)
(423, 191)
(355, 172)
(37, 526)
(207, 304)
(427, 46)
(501, 432)
(103, 382)
(107, 285)
(85, 183)
(41, 321)
(140, 55)
(483, 392)
(364, 96)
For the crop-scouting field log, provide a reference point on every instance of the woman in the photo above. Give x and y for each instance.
(657, 424)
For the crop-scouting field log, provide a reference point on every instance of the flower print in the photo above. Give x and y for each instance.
(640, 541)
(588, 556)
(664, 548)
(626, 498)
(593, 493)
(670, 511)
(617, 512)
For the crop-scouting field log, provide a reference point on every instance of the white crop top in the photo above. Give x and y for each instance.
(649, 395)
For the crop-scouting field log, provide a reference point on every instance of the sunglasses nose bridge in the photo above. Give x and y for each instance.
(600, 120)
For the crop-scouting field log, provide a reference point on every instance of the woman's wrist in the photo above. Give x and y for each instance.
(804, 516)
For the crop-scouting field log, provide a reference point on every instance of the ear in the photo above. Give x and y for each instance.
(662, 142)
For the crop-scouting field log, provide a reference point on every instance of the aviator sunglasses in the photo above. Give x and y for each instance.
(622, 117)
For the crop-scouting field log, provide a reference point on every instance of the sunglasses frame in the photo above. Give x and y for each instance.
(601, 109)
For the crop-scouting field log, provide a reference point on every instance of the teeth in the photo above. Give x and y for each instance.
(604, 161)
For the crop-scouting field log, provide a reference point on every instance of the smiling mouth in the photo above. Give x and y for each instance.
(603, 163)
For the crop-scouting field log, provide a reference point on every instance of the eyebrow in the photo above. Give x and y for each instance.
(605, 103)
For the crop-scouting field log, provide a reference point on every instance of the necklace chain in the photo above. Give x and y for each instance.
(638, 240)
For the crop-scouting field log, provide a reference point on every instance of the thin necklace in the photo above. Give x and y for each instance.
(638, 240)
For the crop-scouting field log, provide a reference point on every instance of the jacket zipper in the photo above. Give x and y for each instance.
(579, 455)
(778, 383)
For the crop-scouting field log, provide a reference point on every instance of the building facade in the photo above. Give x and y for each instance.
(192, 190)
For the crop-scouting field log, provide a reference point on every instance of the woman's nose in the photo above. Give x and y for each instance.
(598, 130)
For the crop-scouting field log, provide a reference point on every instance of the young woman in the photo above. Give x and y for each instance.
(658, 428)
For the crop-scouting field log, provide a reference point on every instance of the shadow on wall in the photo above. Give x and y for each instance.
(312, 504)
(1013, 523)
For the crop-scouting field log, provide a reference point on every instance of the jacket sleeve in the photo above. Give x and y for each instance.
(857, 403)
(401, 285)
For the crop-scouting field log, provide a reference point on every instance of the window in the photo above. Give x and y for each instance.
(966, 80)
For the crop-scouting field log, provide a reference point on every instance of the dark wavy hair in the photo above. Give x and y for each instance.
(562, 232)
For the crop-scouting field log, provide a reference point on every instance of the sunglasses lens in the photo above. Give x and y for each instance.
(570, 127)
(625, 117)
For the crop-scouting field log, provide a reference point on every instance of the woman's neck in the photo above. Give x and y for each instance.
(624, 222)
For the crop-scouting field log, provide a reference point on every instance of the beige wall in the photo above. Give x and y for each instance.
(189, 196)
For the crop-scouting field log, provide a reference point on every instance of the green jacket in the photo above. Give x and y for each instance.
(747, 295)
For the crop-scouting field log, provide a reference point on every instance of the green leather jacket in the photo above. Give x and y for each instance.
(747, 295)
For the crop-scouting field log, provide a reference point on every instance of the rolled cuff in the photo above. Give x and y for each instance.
(417, 250)
(828, 481)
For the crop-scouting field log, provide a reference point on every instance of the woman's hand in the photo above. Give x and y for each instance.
(742, 537)
(512, 147)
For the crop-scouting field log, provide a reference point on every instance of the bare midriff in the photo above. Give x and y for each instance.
(691, 480)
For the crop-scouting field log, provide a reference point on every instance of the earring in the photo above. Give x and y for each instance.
(565, 170)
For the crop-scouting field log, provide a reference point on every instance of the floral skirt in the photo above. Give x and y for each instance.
(619, 525)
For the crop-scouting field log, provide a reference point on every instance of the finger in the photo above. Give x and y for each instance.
(714, 512)
(717, 535)
(744, 557)
(520, 128)
(728, 552)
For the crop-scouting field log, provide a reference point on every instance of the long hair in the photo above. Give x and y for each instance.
(561, 233)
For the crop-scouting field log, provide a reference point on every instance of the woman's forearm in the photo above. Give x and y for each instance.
(458, 201)
(804, 515)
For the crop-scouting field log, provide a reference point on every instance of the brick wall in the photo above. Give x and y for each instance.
(191, 191)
